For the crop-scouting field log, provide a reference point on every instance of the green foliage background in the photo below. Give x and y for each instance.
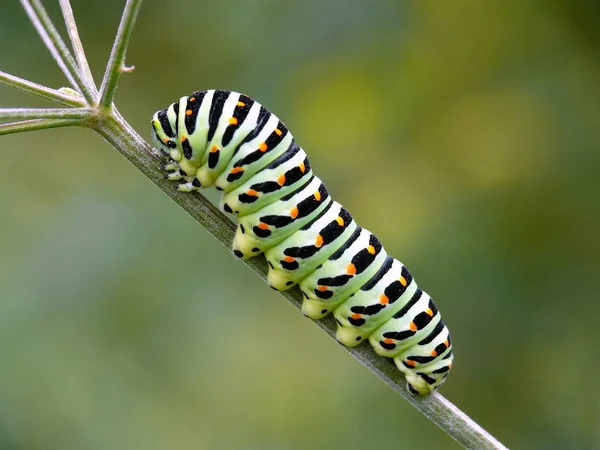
(464, 133)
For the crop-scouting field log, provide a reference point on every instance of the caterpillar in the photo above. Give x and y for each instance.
(227, 140)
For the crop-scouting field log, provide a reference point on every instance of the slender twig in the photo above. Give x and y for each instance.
(40, 91)
(116, 62)
(47, 113)
(82, 62)
(45, 28)
(36, 124)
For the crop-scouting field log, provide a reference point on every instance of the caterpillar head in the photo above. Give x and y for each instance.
(164, 135)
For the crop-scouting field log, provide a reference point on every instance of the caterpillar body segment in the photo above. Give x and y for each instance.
(253, 154)
(344, 272)
(227, 140)
(407, 327)
(278, 179)
(300, 254)
(374, 303)
(269, 226)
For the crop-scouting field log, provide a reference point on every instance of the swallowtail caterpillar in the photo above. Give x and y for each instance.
(227, 140)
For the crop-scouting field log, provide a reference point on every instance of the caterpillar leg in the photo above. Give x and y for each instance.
(190, 186)
(172, 165)
(244, 245)
(181, 171)
(175, 176)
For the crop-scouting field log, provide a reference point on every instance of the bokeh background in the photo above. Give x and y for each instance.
(465, 134)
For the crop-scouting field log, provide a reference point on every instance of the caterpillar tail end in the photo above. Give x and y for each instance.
(425, 380)
(417, 386)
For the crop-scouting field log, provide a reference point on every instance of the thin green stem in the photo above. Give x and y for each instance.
(116, 62)
(47, 113)
(37, 124)
(40, 91)
(45, 28)
(84, 68)
(437, 408)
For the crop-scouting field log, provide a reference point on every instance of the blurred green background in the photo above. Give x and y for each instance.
(465, 134)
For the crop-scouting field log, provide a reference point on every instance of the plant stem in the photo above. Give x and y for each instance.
(82, 62)
(43, 24)
(442, 412)
(116, 62)
(36, 124)
(49, 113)
(39, 90)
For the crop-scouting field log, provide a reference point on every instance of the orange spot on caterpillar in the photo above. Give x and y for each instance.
(388, 341)
(165, 140)
(240, 104)
(278, 132)
(340, 221)
(281, 180)
(446, 343)
(183, 138)
(322, 288)
(356, 316)
(429, 312)
(383, 299)
(252, 193)
(263, 226)
(263, 147)
(237, 170)
(319, 241)
(288, 259)
(351, 269)
(412, 327)
(403, 282)
(214, 149)
(433, 353)
(192, 99)
(233, 121)
(188, 112)
(449, 365)
(302, 167)
(410, 363)
(371, 249)
(318, 196)
(294, 212)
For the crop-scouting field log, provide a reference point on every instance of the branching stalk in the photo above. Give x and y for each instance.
(40, 91)
(45, 28)
(36, 124)
(82, 62)
(105, 120)
(49, 113)
(116, 62)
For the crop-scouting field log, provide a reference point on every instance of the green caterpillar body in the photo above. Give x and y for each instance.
(227, 140)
